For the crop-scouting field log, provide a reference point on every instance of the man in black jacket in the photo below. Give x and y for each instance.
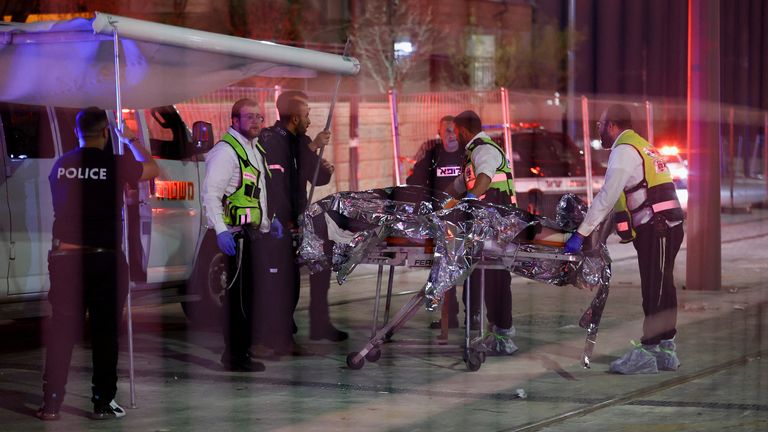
(292, 160)
(438, 163)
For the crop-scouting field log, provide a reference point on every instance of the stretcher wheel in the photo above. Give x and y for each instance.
(354, 361)
(373, 355)
(474, 362)
(482, 356)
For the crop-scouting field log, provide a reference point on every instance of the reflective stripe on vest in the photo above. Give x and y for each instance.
(666, 205)
(498, 177)
(242, 207)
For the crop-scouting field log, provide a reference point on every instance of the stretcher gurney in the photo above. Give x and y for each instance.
(414, 255)
(452, 244)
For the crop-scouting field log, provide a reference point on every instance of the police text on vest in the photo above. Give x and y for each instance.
(83, 173)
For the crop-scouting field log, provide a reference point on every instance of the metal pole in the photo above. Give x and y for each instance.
(571, 68)
(327, 128)
(375, 324)
(482, 301)
(507, 124)
(390, 284)
(649, 121)
(765, 153)
(392, 97)
(278, 90)
(354, 143)
(121, 150)
(731, 159)
(118, 96)
(587, 148)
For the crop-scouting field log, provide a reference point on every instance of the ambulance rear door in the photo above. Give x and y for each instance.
(174, 197)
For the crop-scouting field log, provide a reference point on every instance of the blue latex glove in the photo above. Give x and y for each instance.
(574, 243)
(471, 195)
(226, 243)
(276, 228)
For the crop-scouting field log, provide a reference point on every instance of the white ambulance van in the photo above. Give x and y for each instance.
(546, 166)
(48, 71)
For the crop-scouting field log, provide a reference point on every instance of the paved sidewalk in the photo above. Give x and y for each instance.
(418, 385)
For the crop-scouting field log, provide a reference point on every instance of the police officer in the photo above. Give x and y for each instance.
(438, 164)
(293, 159)
(88, 270)
(638, 185)
(487, 177)
(235, 200)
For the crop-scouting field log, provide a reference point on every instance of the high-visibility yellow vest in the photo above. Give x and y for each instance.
(502, 187)
(661, 196)
(242, 207)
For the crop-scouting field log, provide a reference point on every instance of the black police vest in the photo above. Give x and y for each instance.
(446, 166)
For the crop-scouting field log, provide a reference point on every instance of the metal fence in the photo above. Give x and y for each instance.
(374, 137)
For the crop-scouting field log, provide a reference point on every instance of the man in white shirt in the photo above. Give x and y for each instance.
(638, 185)
(235, 200)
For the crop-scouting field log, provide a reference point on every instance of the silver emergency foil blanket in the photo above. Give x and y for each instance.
(471, 233)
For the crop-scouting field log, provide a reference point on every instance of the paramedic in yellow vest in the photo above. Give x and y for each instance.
(487, 177)
(638, 186)
(234, 197)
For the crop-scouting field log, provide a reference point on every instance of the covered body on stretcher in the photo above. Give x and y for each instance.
(366, 227)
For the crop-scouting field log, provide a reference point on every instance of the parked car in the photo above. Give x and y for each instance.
(546, 165)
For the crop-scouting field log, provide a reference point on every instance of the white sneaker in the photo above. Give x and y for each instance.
(106, 412)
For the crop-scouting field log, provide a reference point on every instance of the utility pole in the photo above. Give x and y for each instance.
(703, 266)
(571, 98)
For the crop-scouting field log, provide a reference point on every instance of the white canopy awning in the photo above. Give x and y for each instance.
(71, 63)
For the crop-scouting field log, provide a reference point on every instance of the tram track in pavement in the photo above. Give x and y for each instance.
(637, 395)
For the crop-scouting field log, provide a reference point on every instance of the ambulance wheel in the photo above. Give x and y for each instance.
(474, 362)
(208, 283)
(354, 361)
(373, 355)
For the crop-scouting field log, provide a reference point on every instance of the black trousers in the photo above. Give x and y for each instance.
(319, 285)
(275, 292)
(239, 298)
(498, 296)
(96, 282)
(657, 245)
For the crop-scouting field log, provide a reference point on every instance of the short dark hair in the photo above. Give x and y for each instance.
(446, 118)
(619, 115)
(242, 103)
(91, 121)
(288, 103)
(470, 121)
